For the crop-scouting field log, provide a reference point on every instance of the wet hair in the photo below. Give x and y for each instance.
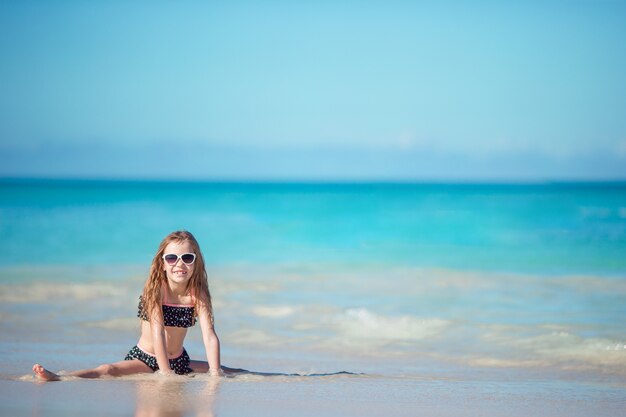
(198, 284)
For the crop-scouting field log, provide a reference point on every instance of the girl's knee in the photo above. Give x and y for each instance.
(107, 370)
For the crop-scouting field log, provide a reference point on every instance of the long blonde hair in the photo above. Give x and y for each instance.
(198, 284)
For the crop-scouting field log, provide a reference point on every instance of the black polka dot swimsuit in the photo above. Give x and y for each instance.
(179, 364)
(174, 315)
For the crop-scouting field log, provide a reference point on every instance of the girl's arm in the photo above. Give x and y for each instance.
(158, 342)
(211, 342)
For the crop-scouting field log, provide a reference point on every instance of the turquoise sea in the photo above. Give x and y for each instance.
(437, 288)
(555, 228)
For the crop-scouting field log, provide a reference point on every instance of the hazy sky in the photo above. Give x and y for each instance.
(463, 90)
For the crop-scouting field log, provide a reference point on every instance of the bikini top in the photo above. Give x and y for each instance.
(174, 315)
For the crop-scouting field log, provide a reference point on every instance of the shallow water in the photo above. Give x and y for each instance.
(381, 318)
(450, 299)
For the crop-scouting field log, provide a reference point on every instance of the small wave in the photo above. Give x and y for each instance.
(44, 291)
(559, 348)
(273, 311)
(230, 373)
(245, 374)
(361, 324)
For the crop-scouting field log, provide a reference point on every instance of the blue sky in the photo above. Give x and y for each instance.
(441, 90)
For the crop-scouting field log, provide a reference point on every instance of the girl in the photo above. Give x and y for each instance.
(175, 295)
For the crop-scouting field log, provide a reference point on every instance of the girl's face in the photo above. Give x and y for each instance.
(179, 272)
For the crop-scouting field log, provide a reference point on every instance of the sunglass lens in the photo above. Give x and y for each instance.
(188, 258)
(171, 259)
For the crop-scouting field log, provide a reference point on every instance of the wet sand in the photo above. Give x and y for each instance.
(345, 395)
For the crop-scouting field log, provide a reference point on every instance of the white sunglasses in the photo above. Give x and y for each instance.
(172, 258)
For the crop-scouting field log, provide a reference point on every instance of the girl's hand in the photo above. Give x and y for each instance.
(216, 372)
(169, 372)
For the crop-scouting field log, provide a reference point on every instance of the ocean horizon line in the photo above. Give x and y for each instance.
(69, 180)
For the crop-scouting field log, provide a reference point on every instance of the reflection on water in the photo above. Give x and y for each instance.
(174, 396)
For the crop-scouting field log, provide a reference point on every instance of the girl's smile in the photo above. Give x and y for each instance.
(180, 272)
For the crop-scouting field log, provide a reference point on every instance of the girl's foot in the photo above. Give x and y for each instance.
(43, 374)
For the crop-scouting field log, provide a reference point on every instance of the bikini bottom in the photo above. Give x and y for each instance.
(180, 364)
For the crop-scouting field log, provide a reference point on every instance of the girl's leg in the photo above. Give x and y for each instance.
(201, 366)
(121, 368)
